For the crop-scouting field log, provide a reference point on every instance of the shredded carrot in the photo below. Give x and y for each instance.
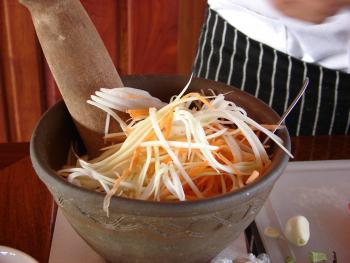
(168, 125)
(134, 159)
(137, 113)
(176, 152)
(252, 177)
(198, 169)
(133, 96)
(222, 158)
(199, 97)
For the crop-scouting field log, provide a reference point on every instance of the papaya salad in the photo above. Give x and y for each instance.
(193, 147)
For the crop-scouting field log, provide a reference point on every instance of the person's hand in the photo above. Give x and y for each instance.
(314, 11)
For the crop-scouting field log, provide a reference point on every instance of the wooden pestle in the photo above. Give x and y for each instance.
(78, 61)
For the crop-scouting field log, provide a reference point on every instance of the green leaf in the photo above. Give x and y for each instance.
(289, 260)
(317, 256)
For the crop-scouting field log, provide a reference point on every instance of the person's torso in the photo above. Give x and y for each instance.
(326, 44)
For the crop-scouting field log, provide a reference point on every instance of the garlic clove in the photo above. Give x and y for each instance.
(297, 230)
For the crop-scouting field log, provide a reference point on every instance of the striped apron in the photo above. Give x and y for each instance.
(227, 55)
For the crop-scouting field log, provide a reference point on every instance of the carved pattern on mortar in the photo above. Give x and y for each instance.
(169, 228)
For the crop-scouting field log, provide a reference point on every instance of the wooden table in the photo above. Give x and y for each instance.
(27, 210)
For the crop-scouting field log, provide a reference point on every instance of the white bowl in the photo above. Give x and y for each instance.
(11, 255)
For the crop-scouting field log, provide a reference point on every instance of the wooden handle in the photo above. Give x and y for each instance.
(78, 61)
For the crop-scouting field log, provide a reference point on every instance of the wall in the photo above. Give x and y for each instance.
(142, 37)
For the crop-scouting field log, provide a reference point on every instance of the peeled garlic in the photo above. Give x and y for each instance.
(297, 230)
(272, 232)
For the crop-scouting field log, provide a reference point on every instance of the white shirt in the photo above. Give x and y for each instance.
(326, 44)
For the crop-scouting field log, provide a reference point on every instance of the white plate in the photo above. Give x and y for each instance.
(319, 190)
(11, 255)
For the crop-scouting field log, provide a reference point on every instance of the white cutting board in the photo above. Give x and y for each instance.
(319, 190)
